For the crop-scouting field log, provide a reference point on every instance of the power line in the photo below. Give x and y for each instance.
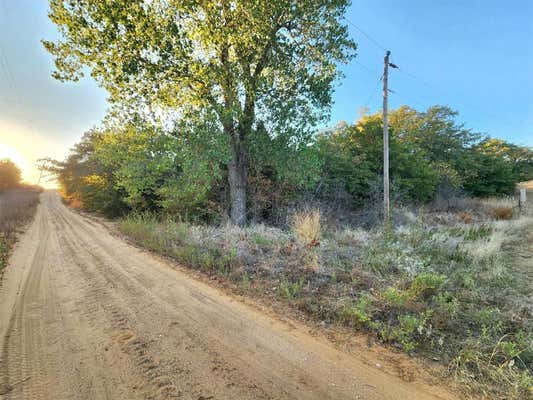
(368, 69)
(408, 98)
(371, 97)
(442, 97)
(6, 70)
(374, 41)
(402, 70)
(380, 46)
(442, 94)
(415, 77)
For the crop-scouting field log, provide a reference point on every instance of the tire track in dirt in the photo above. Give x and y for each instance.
(30, 311)
(86, 316)
(119, 316)
(102, 304)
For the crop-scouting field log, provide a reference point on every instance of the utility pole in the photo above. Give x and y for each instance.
(40, 174)
(386, 188)
(386, 191)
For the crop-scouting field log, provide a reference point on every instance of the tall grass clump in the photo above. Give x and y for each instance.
(306, 227)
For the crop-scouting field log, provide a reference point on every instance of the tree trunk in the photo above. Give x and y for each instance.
(238, 178)
(238, 166)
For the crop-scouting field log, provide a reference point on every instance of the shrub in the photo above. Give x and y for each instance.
(446, 308)
(402, 333)
(10, 175)
(395, 298)
(290, 290)
(465, 216)
(426, 284)
(380, 257)
(358, 314)
(502, 213)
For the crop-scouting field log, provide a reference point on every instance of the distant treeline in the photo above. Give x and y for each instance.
(184, 172)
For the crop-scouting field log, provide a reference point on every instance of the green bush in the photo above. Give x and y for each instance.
(426, 284)
(403, 333)
(357, 314)
(395, 298)
(290, 290)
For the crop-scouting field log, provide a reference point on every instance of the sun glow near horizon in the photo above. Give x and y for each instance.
(10, 153)
(25, 147)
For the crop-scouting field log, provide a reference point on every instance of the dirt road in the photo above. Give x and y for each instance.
(84, 315)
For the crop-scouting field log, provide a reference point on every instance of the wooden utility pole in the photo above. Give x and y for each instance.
(40, 174)
(386, 191)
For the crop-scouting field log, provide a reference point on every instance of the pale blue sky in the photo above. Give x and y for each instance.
(475, 56)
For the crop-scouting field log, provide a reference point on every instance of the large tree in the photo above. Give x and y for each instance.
(248, 62)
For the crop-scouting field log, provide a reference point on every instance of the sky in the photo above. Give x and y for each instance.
(475, 56)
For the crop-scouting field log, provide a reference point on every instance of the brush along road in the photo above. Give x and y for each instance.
(84, 315)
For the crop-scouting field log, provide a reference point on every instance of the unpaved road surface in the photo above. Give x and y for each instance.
(84, 315)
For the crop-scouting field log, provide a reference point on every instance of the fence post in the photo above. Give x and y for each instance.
(522, 200)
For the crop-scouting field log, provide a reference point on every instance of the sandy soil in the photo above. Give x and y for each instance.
(83, 315)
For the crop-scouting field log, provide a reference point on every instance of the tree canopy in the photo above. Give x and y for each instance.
(247, 63)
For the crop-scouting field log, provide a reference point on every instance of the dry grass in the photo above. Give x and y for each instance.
(499, 202)
(476, 210)
(442, 284)
(17, 207)
(356, 236)
(306, 227)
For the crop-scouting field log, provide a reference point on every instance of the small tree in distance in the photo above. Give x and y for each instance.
(10, 175)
